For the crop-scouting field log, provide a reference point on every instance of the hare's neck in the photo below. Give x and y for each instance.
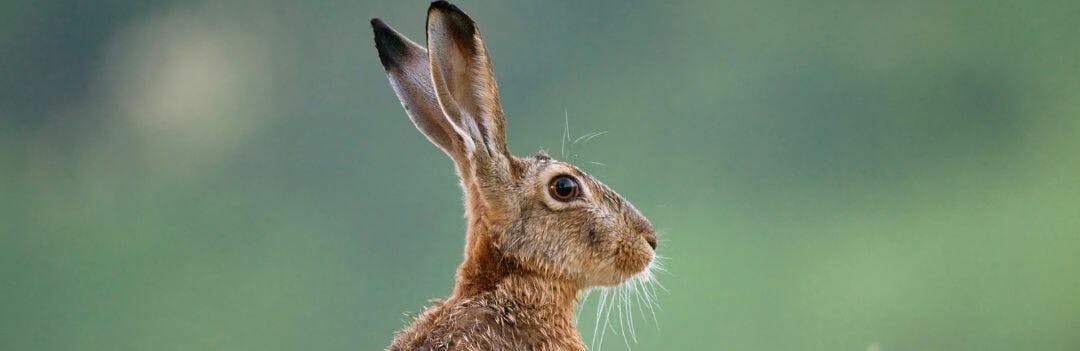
(487, 273)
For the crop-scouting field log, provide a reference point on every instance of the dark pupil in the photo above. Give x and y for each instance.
(565, 187)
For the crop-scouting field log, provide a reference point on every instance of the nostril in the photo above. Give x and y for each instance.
(652, 241)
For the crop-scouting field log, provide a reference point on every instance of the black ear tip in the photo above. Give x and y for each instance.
(391, 45)
(458, 22)
(377, 24)
(446, 7)
(443, 5)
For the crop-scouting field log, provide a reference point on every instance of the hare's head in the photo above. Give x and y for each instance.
(548, 216)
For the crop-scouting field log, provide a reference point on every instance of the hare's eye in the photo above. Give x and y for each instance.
(564, 188)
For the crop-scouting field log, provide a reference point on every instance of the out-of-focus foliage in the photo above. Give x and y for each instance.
(831, 175)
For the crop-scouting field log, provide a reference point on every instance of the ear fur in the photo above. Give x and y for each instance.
(449, 92)
(407, 68)
(465, 83)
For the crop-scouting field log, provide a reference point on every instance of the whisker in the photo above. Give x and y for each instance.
(662, 287)
(589, 137)
(629, 313)
(638, 296)
(649, 301)
(622, 330)
(599, 312)
(581, 137)
(566, 134)
(607, 318)
(585, 299)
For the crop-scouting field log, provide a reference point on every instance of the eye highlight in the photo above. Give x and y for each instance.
(564, 188)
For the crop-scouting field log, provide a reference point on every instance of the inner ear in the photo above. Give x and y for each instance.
(463, 78)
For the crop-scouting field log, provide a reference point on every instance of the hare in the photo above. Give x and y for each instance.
(539, 230)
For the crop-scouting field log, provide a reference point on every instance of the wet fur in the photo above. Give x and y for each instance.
(527, 255)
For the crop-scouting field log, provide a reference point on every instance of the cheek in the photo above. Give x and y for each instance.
(549, 240)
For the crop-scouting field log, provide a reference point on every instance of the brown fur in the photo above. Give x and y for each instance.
(527, 254)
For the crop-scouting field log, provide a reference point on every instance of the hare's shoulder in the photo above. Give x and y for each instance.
(481, 323)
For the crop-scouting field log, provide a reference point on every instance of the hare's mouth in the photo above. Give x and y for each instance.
(617, 303)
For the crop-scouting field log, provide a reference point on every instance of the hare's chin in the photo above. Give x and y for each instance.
(643, 273)
(641, 264)
(647, 273)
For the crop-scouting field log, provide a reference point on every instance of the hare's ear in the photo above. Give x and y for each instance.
(465, 86)
(407, 67)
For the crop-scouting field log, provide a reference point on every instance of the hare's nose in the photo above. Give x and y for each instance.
(649, 234)
(643, 226)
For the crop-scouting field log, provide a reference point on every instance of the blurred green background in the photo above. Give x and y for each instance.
(238, 175)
